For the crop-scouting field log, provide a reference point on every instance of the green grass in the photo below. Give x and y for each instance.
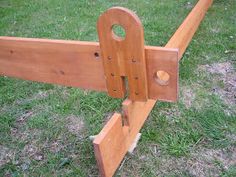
(39, 135)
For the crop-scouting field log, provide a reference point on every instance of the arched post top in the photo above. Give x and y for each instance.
(123, 57)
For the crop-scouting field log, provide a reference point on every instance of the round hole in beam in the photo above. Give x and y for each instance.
(162, 77)
(96, 55)
(118, 32)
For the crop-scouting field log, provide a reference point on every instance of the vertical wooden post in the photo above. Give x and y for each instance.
(123, 56)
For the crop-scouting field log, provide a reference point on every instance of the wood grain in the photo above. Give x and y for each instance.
(68, 63)
(123, 56)
(164, 60)
(112, 135)
(76, 64)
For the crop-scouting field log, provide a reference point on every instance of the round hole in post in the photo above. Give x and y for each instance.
(162, 77)
(118, 32)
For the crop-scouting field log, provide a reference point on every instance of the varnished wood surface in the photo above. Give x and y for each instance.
(68, 63)
(135, 113)
(74, 63)
(187, 29)
(123, 56)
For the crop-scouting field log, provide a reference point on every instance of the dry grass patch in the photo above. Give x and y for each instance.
(200, 162)
(188, 95)
(223, 78)
(75, 125)
(5, 155)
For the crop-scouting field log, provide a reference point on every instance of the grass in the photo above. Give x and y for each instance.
(44, 128)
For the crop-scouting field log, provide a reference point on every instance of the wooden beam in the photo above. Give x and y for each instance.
(68, 63)
(77, 64)
(112, 135)
(135, 113)
(187, 29)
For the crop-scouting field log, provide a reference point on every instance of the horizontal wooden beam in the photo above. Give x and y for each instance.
(68, 63)
(112, 144)
(79, 64)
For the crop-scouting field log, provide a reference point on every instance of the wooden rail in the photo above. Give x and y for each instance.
(67, 62)
(113, 142)
(187, 29)
(53, 61)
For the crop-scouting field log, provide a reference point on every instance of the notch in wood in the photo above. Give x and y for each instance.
(123, 57)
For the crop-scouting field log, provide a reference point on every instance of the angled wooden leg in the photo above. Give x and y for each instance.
(113, 142)
(109, 146)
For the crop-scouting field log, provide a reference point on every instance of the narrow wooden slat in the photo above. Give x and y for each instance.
(113, 136)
